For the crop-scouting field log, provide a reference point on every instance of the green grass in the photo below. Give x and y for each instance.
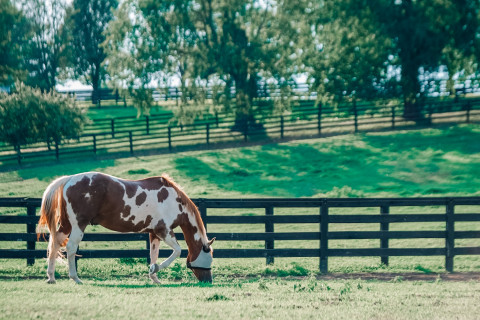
(110, 110)
(427, 162)
(309, 298)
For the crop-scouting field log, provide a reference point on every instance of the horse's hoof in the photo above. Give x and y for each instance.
(154, 268)
(154, 278)
(51, 281)
(77, 281)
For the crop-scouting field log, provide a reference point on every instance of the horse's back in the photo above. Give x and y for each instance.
(115, 203)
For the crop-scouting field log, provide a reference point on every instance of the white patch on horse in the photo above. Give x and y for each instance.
(87, 195)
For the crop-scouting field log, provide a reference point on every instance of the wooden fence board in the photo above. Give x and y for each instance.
(269, 219)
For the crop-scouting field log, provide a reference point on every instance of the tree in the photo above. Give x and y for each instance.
(43, 51)
(422, 41)
(346, 52)
(12, 37)
(135, 57)
(87, 21)
(29, 115)
(235, 42)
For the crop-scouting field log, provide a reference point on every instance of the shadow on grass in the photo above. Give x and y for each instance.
(401, 164)
(152, 285)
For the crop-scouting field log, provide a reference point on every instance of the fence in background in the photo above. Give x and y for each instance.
(136, 136)
(451, 211)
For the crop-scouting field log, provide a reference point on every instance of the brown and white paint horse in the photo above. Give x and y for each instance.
(155, 205)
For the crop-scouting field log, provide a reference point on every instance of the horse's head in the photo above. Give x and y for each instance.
(202, 265)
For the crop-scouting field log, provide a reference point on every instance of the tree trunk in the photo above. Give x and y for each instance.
(95, 83)
(411, 90)
(244, 116)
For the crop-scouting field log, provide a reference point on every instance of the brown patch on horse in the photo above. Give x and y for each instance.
(141, 199)
(161, 229)
(106, 206)
(86, 208)
(189, 231)
(187, 202)
(65, 226)
(130, 188)
(126, 211)
(162, 195)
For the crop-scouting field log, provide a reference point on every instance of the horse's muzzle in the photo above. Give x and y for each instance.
(202, 274)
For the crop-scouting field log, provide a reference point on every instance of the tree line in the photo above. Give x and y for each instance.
(347, 49)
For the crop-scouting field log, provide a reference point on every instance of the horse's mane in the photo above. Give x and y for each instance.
(168, 182)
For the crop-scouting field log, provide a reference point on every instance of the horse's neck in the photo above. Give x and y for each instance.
(193, 234)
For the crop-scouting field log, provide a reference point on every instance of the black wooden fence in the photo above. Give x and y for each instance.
(131, 136)
(449, 212)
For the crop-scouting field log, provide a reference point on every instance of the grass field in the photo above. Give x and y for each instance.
(425, 162)
(309, 298)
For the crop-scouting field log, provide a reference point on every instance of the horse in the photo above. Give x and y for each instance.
(153, 205)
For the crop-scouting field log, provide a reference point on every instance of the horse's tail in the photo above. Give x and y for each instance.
(53, 211)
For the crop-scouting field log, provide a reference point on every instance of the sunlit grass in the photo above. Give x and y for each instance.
(250, 298)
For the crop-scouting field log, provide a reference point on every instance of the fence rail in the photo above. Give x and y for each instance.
(325, 221)
(130, 136)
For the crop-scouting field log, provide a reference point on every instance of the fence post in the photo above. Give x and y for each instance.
(319, 118)
(384, 226)
(469, 107)
(393, 117)
(324, 237)
(94, 143)
(208, 133)
(355, 113)
(450, 236)
(203, 212)
(19, 154)
(245, 133)
(430, 112)
(147, 119)
(281, 127)
(269, 227)
(31, 212)
(131, 142)
(148, 249)
(170, 138)
(112, 124)
(57, 155)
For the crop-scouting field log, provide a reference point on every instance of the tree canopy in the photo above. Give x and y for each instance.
(29, 115)
(348, 49)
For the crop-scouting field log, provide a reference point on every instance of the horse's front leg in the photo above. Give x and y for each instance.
(172, 242)
(154, 247)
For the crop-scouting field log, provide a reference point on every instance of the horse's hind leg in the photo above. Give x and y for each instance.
(53, 248)
(154, 247)
(72, 246)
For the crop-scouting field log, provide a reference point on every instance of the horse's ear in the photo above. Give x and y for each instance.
(211, 241)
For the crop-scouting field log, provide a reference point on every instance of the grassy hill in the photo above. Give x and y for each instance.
(423, 162)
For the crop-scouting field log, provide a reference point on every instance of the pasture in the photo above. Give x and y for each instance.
(425, 162)
(137, 298)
